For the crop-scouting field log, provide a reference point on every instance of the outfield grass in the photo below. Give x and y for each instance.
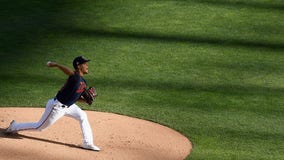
(211, 69)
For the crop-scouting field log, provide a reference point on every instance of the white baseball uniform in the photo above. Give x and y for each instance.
(55, 110)
(63, 105)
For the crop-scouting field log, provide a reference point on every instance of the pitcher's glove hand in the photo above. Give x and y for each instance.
(89, 95)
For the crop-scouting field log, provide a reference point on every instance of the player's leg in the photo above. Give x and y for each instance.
(56, 112)
(77, 113)
(51, 114)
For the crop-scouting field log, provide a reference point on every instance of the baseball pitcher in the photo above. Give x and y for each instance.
(63, 104)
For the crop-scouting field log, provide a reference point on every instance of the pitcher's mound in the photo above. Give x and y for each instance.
(119, 137)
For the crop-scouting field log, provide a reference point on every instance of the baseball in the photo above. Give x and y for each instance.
(48, 63)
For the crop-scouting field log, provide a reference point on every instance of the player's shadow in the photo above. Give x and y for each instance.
(20, 136)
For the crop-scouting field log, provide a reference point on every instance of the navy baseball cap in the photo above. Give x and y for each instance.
(79, 60)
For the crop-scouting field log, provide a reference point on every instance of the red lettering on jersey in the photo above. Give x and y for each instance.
(82, 87)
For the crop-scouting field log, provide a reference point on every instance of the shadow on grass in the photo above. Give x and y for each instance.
(243, 3)
(134, 84)
(203, 97)
(228, 89)
(247, 135)
(25, 23)
(176, 38)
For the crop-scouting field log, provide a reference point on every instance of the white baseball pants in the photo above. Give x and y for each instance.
(53, 112)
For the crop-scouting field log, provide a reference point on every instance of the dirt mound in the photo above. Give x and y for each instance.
(119, 137)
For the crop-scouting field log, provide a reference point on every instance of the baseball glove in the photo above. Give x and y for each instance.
(89, 95)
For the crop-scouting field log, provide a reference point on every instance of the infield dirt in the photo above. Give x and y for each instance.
(119, 137)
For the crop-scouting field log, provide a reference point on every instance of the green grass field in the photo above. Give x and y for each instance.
(211, 69)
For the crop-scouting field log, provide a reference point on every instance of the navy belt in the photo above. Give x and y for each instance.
(63, 105)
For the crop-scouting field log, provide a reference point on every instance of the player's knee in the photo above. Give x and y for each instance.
(83, 116)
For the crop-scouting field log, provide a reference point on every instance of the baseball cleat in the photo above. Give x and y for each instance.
(9, 129)
(91, 147)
